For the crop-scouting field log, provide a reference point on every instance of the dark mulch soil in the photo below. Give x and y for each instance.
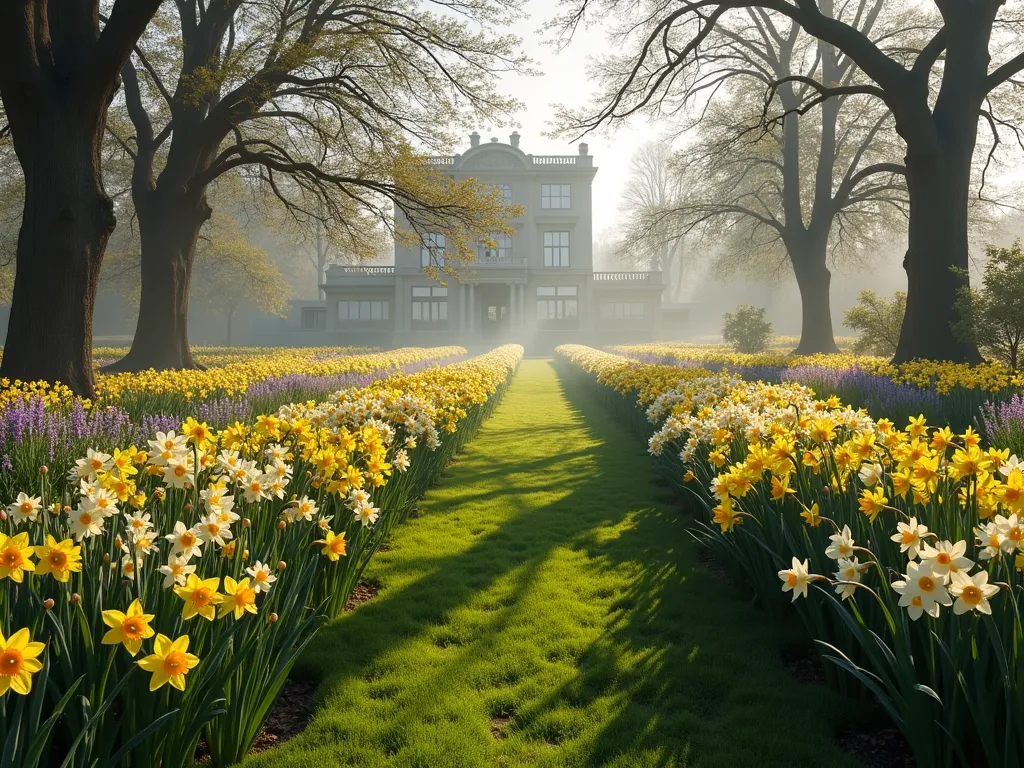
(362, 592)
(290, 715)
(804, 666)
(878, 747)
(498, 724)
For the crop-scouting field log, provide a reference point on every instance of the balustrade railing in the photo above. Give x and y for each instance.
(645, 277)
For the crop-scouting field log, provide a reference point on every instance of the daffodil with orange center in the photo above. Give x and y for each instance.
(333, 546)
(239, 598)
(58, 558)
(129, 629)
(200, 596)
(15, 552)
(18, 662)
(169, 662)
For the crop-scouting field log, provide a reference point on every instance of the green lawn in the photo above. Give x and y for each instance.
(547, 609)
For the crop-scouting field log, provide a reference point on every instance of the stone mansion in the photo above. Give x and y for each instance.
(537, 287)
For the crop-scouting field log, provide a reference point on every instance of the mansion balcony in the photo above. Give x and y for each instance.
(638, 279)
(348, 274)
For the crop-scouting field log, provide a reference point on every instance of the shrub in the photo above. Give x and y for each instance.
(879, 321)
(993, 316)
(746, 329)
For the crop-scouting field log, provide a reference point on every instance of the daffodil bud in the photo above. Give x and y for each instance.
(44, 470)
(48, 603)
(106, 558)
(3, 515)
(76, 598)
(188, 506)
(246, 523)
(281, 525)
(281, 565)
(272, 618)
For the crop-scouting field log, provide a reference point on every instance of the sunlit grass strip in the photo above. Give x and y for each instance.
(174, 587)
(906, 539)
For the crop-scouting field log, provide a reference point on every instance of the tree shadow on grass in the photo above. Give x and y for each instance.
(580, 619)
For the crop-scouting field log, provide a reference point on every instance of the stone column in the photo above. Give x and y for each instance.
(462, 307)
(513, 313)
(472, 307)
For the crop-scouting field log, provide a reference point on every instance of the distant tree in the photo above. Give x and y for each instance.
(651, 189)
(878, 321)
(992, 316)
(232, 273)
(746, 329)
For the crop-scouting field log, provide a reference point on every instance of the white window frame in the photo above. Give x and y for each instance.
(362, 311)
(555, 196)
(433, 245)
(503, 251)
(506, 193)
(556, 249)
(429, 305)
(558, 306)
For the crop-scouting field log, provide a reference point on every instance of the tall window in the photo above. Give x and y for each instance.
(502, 250)
(556, 306)
(363, 311)
(314, 318)
(622, 310)
(430, 306)
(432, 252)
(554, 196)
(556, 249)
(506, 193)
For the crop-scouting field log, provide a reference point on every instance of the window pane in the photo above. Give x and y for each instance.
(567, 290)
(563, 239)
(545, 291)
(364, 310)
(420, 291)
(343, 310)
(417, 310)
(375, 310)
(443, 309)
(440, 291)
(387, 309)
(570, 308)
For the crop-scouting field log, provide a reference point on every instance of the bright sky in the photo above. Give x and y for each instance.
(565, 82)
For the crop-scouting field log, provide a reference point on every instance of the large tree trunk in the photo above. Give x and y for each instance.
(814, 280)
(169, 230)
(936, 260)
(66, 221)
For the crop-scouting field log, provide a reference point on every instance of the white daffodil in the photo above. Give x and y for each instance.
(921, 591)
(972, 592)
(796, 579)
(842, 544)
(910, 537)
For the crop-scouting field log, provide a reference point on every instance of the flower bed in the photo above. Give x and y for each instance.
(948, 392)
(40, 424)
(898, 546)
(156, 595)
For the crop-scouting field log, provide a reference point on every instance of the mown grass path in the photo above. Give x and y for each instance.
(547, 609)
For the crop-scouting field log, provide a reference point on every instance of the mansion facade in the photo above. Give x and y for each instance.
(537, 287)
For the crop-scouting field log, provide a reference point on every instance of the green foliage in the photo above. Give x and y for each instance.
(746, 329)
(878, 320)
(993, 315)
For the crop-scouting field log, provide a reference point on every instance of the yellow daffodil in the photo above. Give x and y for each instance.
(18, 662)
(333, 546)
(239, 598)
(58, 558)
(129, 629)
(200, 596)
(15, 552)
(169, 662)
